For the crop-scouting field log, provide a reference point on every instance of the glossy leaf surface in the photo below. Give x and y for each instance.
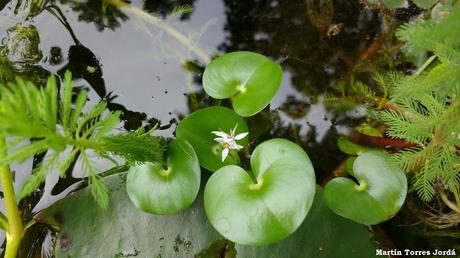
(250, 79)
(323, 234)
(380, 194)
(125, 231)
(159, 190)
(270, 209)
(197, 129)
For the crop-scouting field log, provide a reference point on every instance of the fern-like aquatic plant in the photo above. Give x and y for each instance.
(423, 108)
(50, 123)
(350, 94)
(429, 104)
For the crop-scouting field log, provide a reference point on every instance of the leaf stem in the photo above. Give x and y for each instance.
(362, 186)
(15, 231)
(425, 65)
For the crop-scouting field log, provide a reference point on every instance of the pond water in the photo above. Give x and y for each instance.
(141, 69)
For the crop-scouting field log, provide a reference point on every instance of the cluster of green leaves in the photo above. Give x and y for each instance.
(244, 202)
(429, 106)
(422, 108)
(65, 131)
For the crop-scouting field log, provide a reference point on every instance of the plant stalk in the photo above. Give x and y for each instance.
(15, 231)
(203, 56)
(425, 65)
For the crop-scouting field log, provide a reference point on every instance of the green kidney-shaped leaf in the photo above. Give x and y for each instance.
(250, 79)
(122, 230)
(323, 234)
(197, 129)
(268, 209)
(380, 194)
(157, 190)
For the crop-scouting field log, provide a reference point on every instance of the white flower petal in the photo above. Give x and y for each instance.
(224, 154)
(241, 136)
(221, 134)
(237, 147)
(233, 131)
(220, 140)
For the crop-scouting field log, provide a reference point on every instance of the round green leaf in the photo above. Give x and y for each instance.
(323, 234)
(197, 129)
(269, 208)
(250, 79)
(84, 228)
(380, 194)
(157, 190)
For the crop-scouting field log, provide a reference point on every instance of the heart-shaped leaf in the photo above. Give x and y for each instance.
(157, 190)
(379, 195)
(197, 129)
(323, 234)
(269, 207)
(125, 231)
(250, 79)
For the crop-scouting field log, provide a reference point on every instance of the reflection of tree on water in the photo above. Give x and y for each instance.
(166, 7)
(99, 12)
(20, 54)
(318, 42)
(283, 30)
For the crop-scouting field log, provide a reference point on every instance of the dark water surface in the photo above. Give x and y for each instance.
(150, 76)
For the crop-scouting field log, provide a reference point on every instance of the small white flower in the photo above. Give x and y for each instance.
(228, 141)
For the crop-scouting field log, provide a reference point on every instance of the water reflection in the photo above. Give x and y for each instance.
(152, 78)
(290, 31)
(100, 13)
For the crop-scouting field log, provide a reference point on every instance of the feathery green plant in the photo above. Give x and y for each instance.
(65, 132)
(423, 108)
(351, 94)
(429, 104)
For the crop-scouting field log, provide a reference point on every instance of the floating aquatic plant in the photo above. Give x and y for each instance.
(378, 195)
(166, 188)
(197, 129)
(267, 203)
(251, 81)
(228, 141)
